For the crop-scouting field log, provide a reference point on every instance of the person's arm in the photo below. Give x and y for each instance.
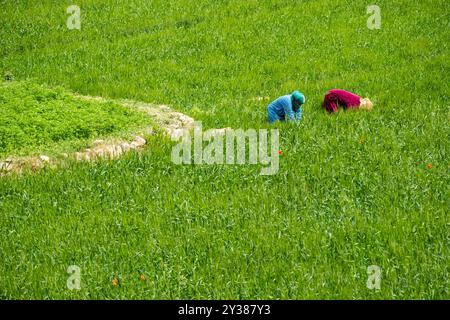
(298, 115)
(287, 107)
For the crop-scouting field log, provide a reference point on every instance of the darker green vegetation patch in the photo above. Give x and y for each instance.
(35, 118)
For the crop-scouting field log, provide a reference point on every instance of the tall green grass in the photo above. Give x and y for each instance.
(353, 190)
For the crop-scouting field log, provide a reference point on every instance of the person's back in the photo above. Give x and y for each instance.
(280, 104)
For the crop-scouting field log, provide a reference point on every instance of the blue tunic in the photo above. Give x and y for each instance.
(281, 109)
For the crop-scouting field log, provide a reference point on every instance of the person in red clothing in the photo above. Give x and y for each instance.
(348, 100)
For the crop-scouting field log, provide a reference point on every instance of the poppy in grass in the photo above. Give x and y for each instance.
(429, 166)
(142, 277)
(115, 282)
(280, 152)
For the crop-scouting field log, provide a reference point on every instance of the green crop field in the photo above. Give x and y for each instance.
(35, 118)
(354, 189)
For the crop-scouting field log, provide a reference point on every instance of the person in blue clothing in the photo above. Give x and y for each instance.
(288, 107)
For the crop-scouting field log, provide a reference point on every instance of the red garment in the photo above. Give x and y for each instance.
(336, 97)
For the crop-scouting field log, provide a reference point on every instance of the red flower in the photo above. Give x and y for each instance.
(280, 152)
(142, 277)
(430, 165)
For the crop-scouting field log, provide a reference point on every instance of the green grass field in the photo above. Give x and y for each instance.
(353, 190)
(36, 119)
